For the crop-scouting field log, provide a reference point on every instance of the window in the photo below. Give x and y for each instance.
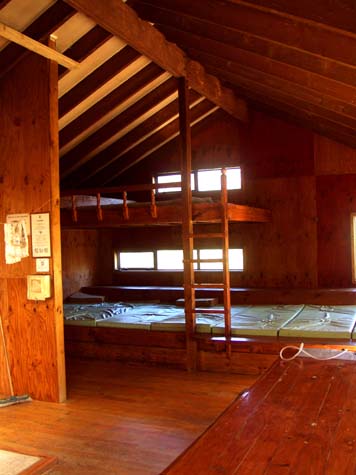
(207, 180)
(235, 259)
(172, 260)
(172, 178)
(136, 260)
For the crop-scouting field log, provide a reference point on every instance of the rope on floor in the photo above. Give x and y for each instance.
(300, 350)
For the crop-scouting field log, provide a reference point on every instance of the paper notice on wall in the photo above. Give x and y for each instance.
(16, 242)
(38, 287)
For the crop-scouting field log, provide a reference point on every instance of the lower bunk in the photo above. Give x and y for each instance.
(154, 333)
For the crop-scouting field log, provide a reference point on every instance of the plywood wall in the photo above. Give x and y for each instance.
(277, 163)
(336, 199)
(29, 183)
(87, 259)
(306, 180)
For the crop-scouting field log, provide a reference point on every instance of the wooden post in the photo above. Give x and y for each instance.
(60, 393)
(226, 267)
(74, 210)
(99, 211)
(125, 208)
(187, 224)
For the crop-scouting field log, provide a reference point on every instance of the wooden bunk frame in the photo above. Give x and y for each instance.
(155, 213)
(163, 214)
(186, 213)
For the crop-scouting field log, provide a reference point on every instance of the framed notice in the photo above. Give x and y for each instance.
(38, 287)
(41, 235)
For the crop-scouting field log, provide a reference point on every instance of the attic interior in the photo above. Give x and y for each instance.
(103, 104)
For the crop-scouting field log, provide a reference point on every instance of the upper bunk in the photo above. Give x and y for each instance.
(110, 207)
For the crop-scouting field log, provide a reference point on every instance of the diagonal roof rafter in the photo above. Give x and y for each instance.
(118, 18)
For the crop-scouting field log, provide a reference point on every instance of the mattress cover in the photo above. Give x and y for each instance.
(91, 313)
(336, 322)
(260, 320)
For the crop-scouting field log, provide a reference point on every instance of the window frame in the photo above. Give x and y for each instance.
(197, 265)
(194, 174)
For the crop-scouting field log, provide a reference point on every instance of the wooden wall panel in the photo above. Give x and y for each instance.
(277, 173)
(28, 184)
(336, 200)
(271, 148)
(333, 158)
(282, 253)
(79, 259)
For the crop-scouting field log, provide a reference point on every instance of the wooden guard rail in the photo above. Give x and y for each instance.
(115, 191)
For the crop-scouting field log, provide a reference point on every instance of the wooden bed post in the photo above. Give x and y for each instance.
(187, 223)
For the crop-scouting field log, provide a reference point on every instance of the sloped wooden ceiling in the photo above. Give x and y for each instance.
(296, 60)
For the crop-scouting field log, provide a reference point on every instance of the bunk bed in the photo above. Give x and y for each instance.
(159, 333)
(96, 208)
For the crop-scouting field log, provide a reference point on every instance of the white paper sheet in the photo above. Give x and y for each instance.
(16, 242)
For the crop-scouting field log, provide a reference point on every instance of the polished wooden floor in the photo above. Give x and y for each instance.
(298, 419)
(120, 419)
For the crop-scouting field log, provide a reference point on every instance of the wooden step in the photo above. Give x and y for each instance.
(204, 260)
(209, 310)
(207, 235)
(209, 286)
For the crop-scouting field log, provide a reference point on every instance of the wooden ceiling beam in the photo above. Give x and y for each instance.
(36, 47)
(39, 30)
(292, 94)
(296, 82)
(336, 13)
(317, 38)
(79, 155)
(154, 142)
(245, 40)
(95, 168)
(83, 47)
(209, 51)
(297, 111)
(118, 18)
(109, 102)
(96, 79)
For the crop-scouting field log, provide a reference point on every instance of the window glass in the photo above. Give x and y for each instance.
(210, 254)
(170, 259)
(233, 178)
(168, 179)
(172, 178)
(236, 259)
(173, 259)
(209, 180)
(136, 260)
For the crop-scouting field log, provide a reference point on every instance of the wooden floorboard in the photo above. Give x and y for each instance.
(120, 419)
(298, 419)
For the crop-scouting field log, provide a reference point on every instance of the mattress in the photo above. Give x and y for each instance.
(335, 322)
(141, 316)
(259, 320)
(90, 314)
(204, 323)
(159, 317)
(90, 202)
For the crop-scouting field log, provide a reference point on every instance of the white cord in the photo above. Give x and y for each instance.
(300, 350)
